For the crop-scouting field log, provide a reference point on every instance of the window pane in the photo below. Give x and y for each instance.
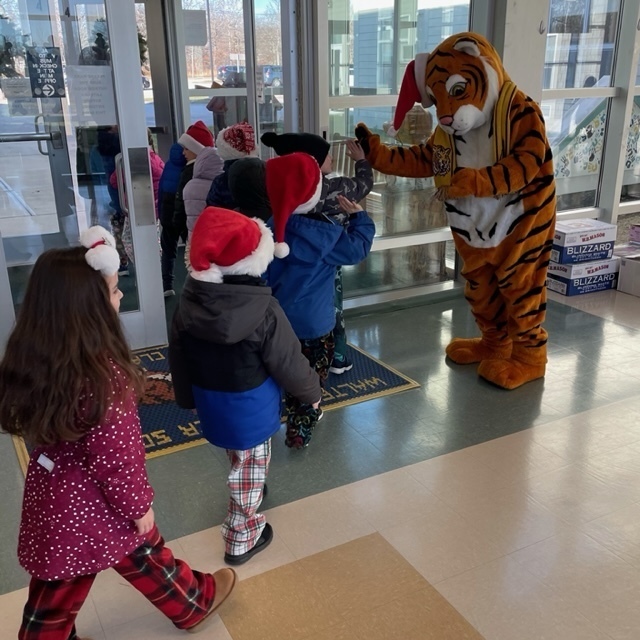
(398, 268)
(268, 43)
(631, 178)
(398, 205)
(370, 43)
(581, 41)
(214, 41)
(576, 130)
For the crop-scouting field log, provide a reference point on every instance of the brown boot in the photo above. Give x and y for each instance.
(225, 581)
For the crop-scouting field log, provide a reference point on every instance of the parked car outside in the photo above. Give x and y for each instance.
(272, 75)
(227, 69)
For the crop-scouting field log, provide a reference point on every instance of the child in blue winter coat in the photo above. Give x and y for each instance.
(309, 247)
(169, 182)
(354, 189)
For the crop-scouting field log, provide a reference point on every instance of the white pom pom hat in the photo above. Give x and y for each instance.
(101, 250)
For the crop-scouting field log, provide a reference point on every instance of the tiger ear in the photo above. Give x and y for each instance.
(467, 45)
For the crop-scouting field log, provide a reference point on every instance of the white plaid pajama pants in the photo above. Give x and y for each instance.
(243, 525)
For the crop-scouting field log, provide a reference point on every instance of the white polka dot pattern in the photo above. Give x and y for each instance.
(78, 518)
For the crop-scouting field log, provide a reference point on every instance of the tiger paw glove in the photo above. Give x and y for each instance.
(369, 142)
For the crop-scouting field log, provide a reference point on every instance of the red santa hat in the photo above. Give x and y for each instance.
(226, 242)
(237, 141)
(412, 90)
(196, 138)
(294, 185)
(101, 252)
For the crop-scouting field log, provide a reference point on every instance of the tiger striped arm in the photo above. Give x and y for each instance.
(407, 162)
(511, 174)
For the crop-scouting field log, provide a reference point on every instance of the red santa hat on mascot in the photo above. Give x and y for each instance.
(412, 90)
(294, 185)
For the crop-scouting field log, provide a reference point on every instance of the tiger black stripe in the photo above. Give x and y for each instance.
(461, 232)
(507, 180)
(534, 312)
(535, 291)
(523, 114)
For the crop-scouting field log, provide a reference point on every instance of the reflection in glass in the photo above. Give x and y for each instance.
(398, 205)
(399, 268)
(269, 71)
(581, 40)
(576, 131)
(51, 189)
(631, 180)
(370, 43)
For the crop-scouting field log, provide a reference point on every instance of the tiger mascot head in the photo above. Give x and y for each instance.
(461, 77)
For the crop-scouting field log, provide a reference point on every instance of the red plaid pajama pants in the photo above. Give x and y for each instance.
(183, 595)
(243, 526)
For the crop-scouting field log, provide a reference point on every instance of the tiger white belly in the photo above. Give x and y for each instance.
(482, 222)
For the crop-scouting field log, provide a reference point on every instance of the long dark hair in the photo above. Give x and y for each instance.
(57, 376)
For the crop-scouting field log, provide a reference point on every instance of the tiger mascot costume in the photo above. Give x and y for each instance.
(492, 166)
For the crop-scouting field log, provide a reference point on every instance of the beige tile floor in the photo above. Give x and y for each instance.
(533, 536)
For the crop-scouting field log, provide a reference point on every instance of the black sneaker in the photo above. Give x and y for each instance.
(340, 366)
(263, 542)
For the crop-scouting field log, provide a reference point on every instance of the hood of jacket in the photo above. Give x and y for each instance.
(247, 184)
(176, 156)
(208, 164)
(222, 313)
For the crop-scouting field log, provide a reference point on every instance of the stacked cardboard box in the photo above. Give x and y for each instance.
(582, 259)
(629, 276)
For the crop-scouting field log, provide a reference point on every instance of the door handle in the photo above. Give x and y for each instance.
(35, 122)
(54, 137)
(120, 180)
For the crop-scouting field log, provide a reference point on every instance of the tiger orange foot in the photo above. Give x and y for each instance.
(470, 350)
(510, 373)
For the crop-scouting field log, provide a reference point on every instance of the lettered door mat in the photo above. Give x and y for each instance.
(166, 428)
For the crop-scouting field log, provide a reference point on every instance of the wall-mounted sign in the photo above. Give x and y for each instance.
(91, 95)
(17, 91)
(45, 72)
(195, 27)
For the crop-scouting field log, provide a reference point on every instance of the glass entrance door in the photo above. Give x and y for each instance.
(74, 149)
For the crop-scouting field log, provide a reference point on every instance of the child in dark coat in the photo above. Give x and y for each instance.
(196, 138)
(231, 352)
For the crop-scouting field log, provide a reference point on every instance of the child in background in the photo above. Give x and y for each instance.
(169, 183)
(69, 388)
(109, 148)
(234, 142)
(157, 167)
(248, 187)
(310, 247)
(354, 189)
(193, 142)
(207, 166)
(231, 351)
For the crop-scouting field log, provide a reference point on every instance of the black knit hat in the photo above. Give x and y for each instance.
(287, 143)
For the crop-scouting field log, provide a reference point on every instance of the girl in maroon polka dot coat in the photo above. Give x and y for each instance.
(69, 388)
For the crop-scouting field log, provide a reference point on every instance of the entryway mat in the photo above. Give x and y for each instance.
(166, 428)
(361, 590)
